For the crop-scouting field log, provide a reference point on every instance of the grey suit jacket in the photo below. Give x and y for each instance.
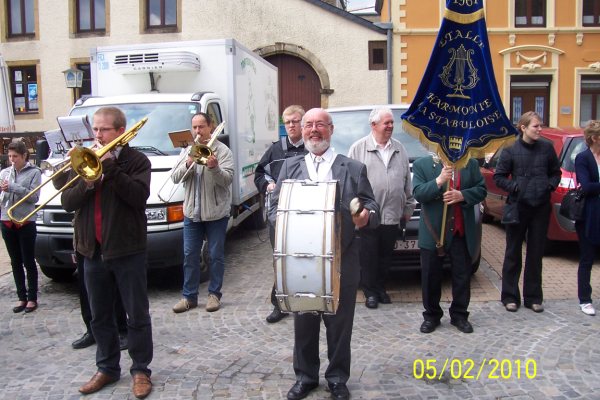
(353, 182)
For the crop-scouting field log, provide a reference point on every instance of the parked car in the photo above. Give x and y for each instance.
(351, 124)
(568, 142)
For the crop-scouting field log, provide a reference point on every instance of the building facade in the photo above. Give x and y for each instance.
(545, 53)
(322, 51)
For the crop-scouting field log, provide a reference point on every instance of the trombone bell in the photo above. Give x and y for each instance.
(200, 153)
(86, 163)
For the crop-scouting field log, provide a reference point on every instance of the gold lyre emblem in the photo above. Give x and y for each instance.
(453, 74)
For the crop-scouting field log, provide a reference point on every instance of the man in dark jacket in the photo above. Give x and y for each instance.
(111, 236)
(529, 171)
(267, 171)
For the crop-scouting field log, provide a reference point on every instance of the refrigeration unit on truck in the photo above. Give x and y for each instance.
(168, 83)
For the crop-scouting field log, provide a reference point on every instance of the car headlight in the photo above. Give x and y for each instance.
(156, 215)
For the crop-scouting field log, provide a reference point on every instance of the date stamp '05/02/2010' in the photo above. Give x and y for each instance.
(487, 368)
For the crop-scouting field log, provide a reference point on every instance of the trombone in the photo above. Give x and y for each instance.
(85, 162)
(199, 153)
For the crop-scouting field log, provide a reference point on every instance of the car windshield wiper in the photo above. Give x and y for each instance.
(149, 149)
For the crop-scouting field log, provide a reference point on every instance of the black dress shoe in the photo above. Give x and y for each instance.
(276, 315)
(339, 391)
(429, 326)
(384, 298)
(32, 308)
(462, 325)
(85, 341)
(123, 341)
(300, 390)
(19, 308)
(371, 302)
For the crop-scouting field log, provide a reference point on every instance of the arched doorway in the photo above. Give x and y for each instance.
(298, 82)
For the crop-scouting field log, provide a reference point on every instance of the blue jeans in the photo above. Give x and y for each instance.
(193, 235)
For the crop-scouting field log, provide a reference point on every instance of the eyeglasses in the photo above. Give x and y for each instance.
(318, 125)
(102, 130)
(292, 122)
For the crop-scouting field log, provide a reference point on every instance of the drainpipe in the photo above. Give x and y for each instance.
(390, 31)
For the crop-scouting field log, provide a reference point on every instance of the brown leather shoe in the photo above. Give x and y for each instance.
(98, 381)
(142, 385)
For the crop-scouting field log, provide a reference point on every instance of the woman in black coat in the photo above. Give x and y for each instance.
(587, 168)
(529, 171)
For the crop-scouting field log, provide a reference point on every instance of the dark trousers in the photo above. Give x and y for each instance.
(587, 253)
(338, 331)
(20, 245)
(431, 281)
(375, 256)
(84, 302)
(103, 279)
(272, 240)
(533, 225)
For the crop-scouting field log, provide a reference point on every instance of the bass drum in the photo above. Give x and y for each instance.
(307, 249)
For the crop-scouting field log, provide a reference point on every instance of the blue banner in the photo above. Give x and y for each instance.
(457, 111)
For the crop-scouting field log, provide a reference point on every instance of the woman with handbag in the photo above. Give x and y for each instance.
(587, 168)
(15, 182)
(529, 171)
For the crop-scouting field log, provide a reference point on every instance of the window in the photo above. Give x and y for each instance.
(21, 21)
(24, 89)
(378, 55)
(530, 13)
(91, 15)
(591, 13)
(590, 99)
(86, 83)
(161, 13)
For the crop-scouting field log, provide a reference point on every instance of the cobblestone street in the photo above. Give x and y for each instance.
(234, 354)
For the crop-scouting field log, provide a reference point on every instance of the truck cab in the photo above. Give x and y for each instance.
(237, 87)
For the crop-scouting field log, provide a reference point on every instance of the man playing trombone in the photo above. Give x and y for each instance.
(111, 235)
(206, 207)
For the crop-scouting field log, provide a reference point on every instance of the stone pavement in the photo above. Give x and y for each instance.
(235, 354)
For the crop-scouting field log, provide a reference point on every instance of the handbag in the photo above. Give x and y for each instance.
(572, 204)
(510, 216)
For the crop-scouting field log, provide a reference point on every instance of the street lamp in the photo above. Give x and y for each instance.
(74, 80)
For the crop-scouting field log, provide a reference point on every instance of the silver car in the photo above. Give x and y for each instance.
(351, 124)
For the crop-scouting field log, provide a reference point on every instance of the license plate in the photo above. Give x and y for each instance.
(405, 245)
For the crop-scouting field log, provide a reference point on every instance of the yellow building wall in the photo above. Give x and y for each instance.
(564, 50)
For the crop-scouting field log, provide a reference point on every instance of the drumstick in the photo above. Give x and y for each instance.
(356, 206)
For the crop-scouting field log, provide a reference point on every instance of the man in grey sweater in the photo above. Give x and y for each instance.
(388, 171)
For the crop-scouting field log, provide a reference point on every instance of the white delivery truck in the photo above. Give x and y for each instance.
(169, 83)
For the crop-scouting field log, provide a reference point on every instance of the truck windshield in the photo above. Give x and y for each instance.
(163, 118)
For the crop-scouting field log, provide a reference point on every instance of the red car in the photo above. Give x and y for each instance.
(568, 142)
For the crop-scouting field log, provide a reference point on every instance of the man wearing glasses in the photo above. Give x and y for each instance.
(267, 172)
(111, 236)
(322, 164)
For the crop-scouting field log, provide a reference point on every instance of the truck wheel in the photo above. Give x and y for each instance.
(258, 219)
(58, 274)
(475, 265)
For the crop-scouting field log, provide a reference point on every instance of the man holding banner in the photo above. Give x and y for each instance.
(430, 179)
(457, 112)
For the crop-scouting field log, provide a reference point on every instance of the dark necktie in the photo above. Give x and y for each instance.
(459, 223)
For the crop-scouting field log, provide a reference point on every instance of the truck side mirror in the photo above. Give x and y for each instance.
(42, 151)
